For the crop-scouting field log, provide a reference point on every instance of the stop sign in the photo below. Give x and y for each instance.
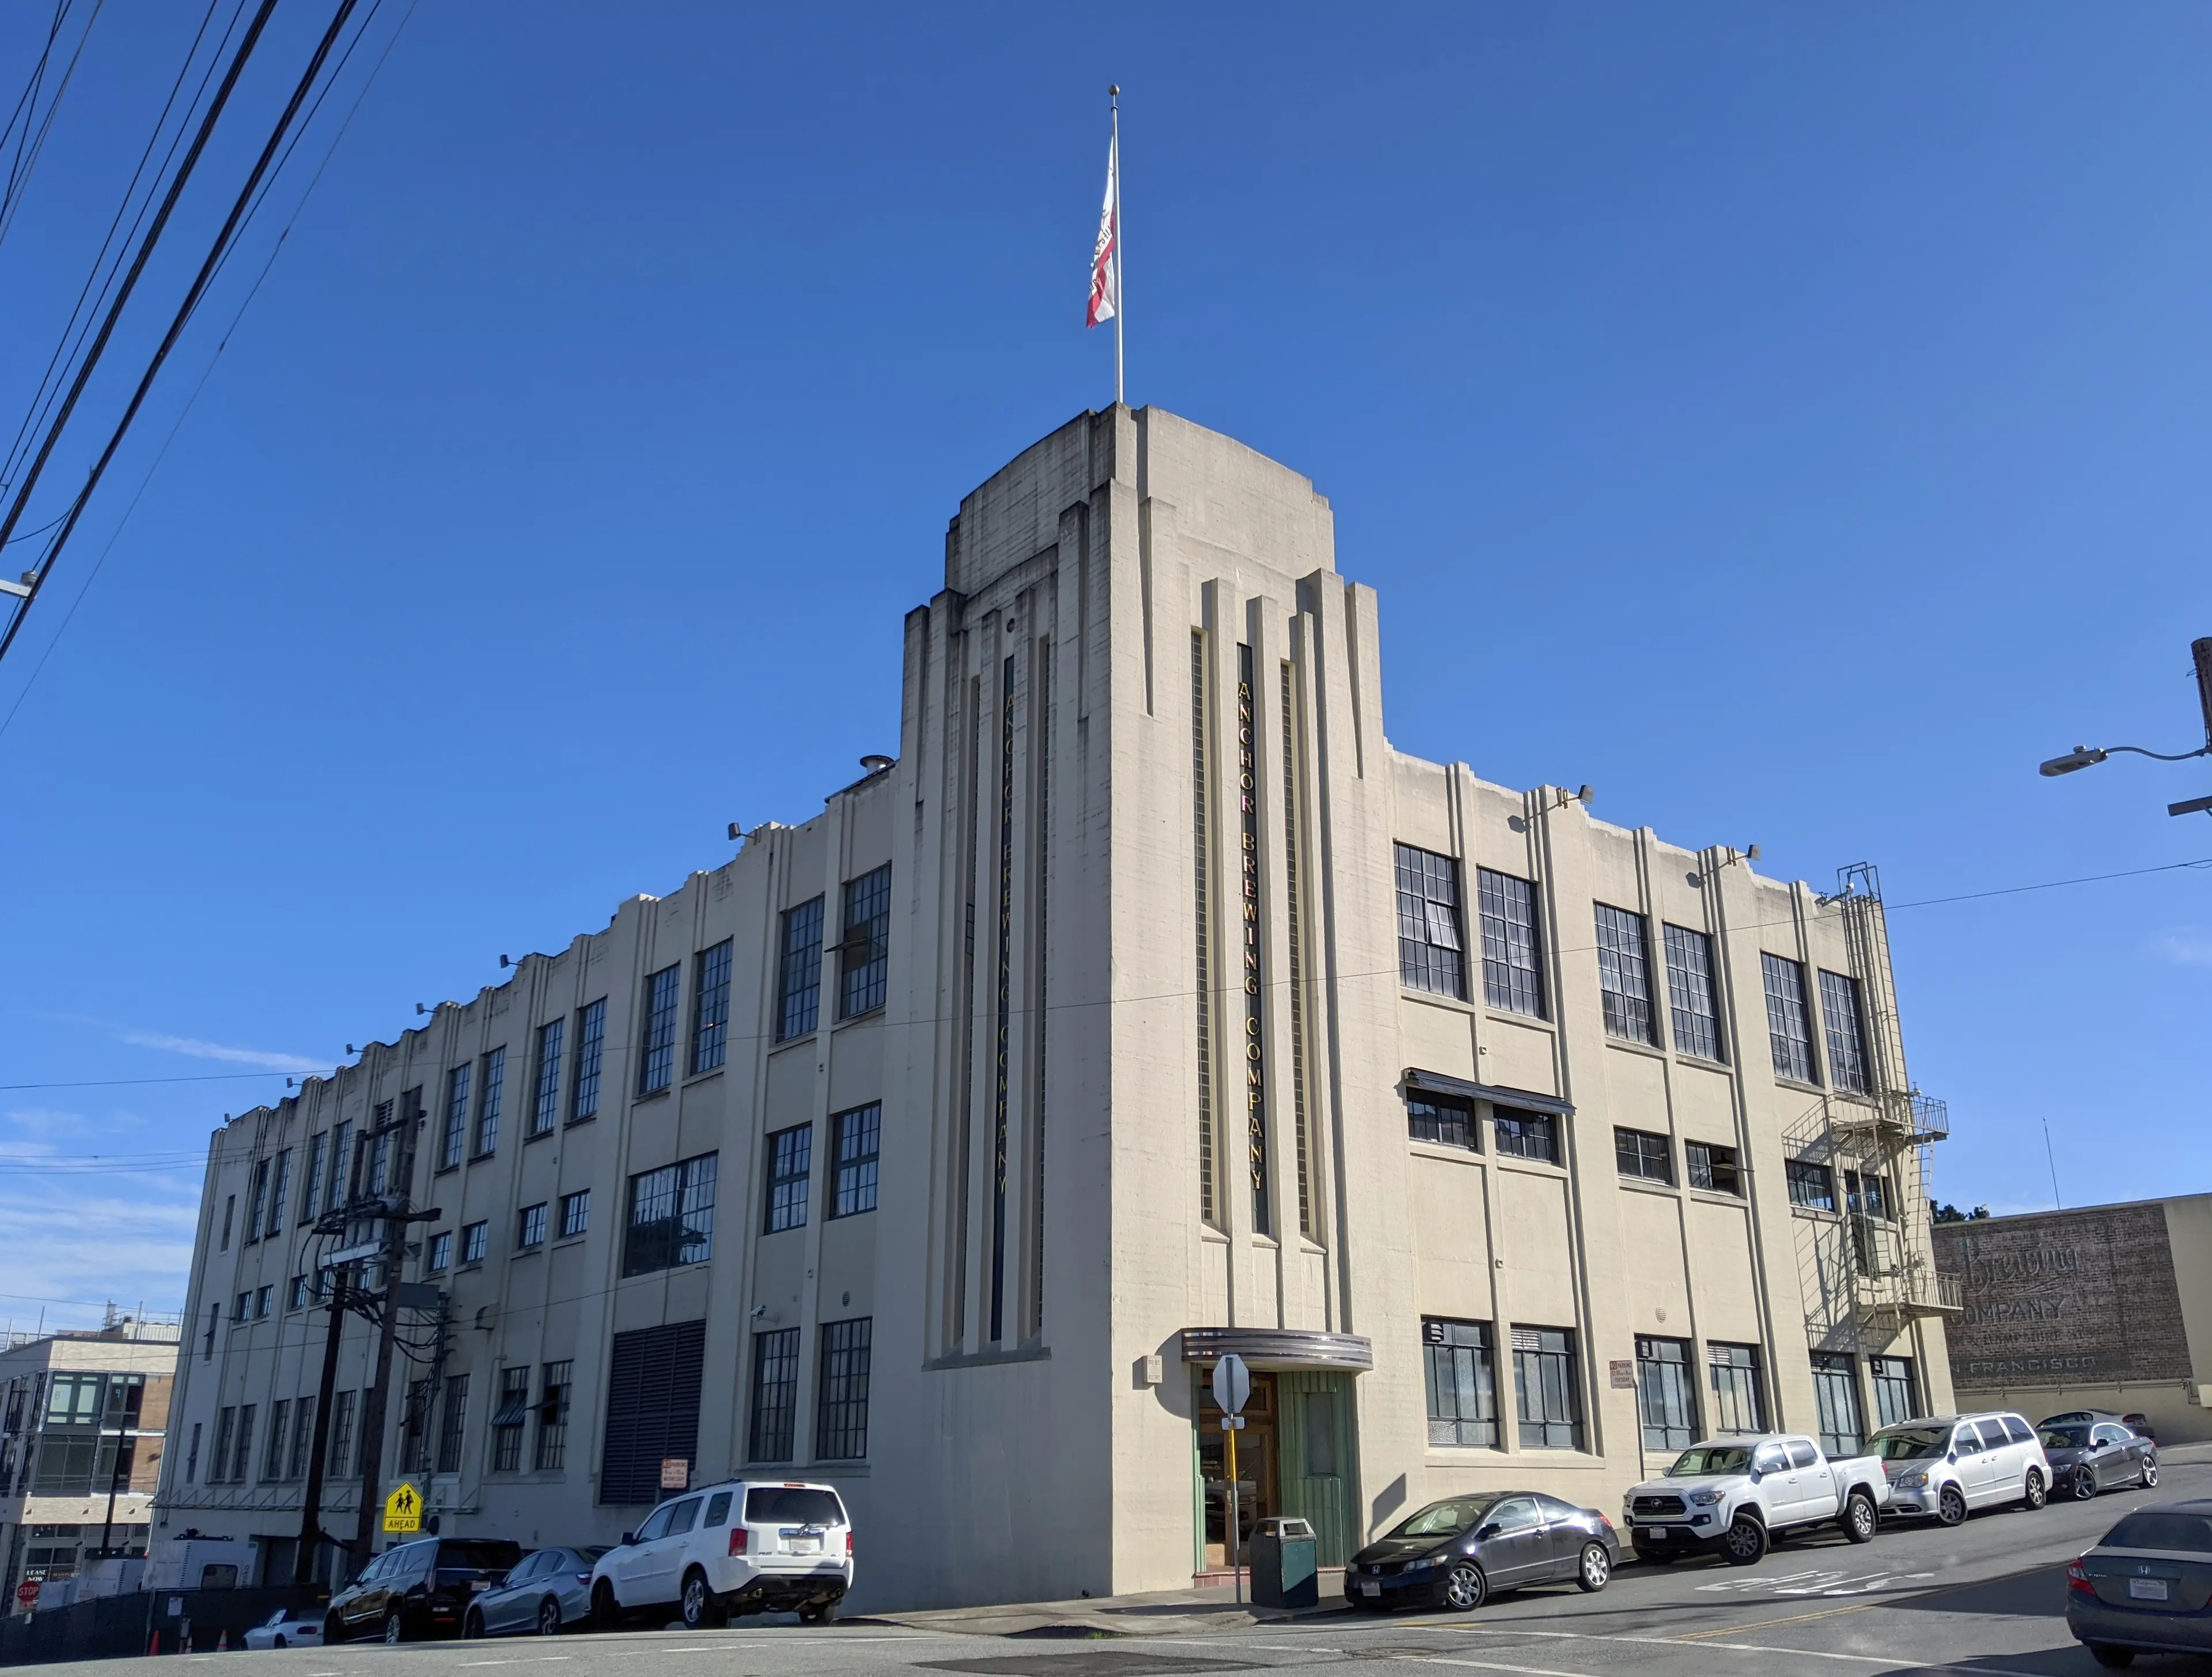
(27, 1593)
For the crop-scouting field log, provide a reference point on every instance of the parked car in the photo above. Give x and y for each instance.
(1458, 1551)
(1947, 1466)
(548, 1591)
(743, 1546)
(1730, 1496)
(2137, 1422)
(289, 1627)
(2098, 1455)
(2144, 1587)
(418, 1589)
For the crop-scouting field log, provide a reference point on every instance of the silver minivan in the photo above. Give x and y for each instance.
(1945, 1466)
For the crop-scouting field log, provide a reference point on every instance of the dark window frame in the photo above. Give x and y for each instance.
(656, 1061)
(1842, 1016)
(840, 1423)
(546, 1094)
(789, 1176)
(1624, 974)
(1788, 1018)
(710, 1009)
(798, 971)
(1643, 1155)
(1692, 1002)
(1431, 923)
(1517, 1133)
(772, 1420)
(670, 1223)
(1459, 1361)
(1713, 1167)
(1512, 943)
(856, 1150)
(864, 953)
(1546, 1358)
(591, 1050)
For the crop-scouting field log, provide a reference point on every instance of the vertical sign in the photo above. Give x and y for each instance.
(1255, 1076)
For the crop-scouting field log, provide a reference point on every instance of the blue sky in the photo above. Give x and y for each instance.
(1789, 420)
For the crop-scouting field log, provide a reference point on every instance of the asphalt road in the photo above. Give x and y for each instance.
(1986, 1598)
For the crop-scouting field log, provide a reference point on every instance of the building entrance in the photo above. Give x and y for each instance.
(1298, 1455)
(1256, 1489)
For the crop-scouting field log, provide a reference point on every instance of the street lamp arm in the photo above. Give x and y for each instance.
(2178, 757)
(2089, 756)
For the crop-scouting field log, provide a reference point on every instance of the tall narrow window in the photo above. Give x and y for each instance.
(841, 1422)
(1624, 974)
(545, 1098)
(508, 1420)
(1666, 1397)
(553, 1384)
(1786, 1030)
(1895, 1392)
(1690, 993)
(1512, 981)
(710, 1010)
(672, 1216)
(452, 1435)
(280, 1191)
(273, 1456)
(338, 1186)
(656, 1067)
(303, 1438)
(1000, 1091)
(1430, 950)
(257, 1213)
(226, 1421)
(453, 1137)
(864, 955)
(799, 977)
(575, 1213)
(340, 1464)
(243, 1458)
(591, 1043)
(488, 1099)
(311, 1191)
(1736, 1406)
(1040, 948)
(790, 1164)
(1839, 1012)
(1200, 880)
(1836, 1398)
(1462, 1381)
(858, 1136)
(1544, 1390)
(774, 1395)
(1291, 887)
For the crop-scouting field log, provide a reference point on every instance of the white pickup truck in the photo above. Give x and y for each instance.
(1730, 1496)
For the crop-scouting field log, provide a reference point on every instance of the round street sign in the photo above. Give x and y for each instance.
(1232, 1384)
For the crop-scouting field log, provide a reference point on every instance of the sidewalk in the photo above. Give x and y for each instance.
(1161, 1612)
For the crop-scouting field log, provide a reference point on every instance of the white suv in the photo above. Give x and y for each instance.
(746, 1545)
(1949, 1465)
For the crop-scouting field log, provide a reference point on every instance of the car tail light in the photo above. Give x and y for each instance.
(2078, 1579)
(583, 1577)
(848, 1542)
(738, 1535)
(1605, 1520)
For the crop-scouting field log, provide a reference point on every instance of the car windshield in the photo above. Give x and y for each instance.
(1711, 1459)
(1910, 1444)
(792, 1505)
(2151, 1529)
(493, 1556)
(2065, 1438)
(1446, 1519)
(592, 1553)
(277, 1617)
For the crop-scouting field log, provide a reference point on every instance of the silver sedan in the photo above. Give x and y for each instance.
(548, 1591)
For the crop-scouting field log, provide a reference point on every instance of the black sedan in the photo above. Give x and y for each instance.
(2087, 1456)
(2146, 1586)
(1455, 1553)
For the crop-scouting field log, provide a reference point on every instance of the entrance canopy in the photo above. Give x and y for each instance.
(1279, 1348)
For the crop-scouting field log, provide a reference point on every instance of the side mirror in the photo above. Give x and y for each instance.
(1952, 1457)
(629, 1538)
(1486, 1532)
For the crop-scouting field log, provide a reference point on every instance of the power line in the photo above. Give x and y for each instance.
(19, 177)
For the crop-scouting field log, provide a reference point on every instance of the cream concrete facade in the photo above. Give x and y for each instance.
(1143, 1057)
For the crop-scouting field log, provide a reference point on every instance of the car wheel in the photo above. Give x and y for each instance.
(1859, 1520)
(2149, 1472)
(2083, 1484)
(605, 1612)
(2032, 1494)
(395, 1630)
(1951, 1506)
(2104, 1654)
(472, 1626)
(548, 1618)
(333, 1630)
(1465, 1587)
(700, 1611)
(1595, 1571)
(1745, 1543)
(281, 1642)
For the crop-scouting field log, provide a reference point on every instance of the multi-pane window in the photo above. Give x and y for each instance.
(775, 1396)
(414, 1426)
(1430, 953)
(865, 955)
(1666, 1394)
(311, 1192)
(258, 1207)
(1510, 980)
(1624, 974)
(340, 1464)
(507, 1420)
(1690, 1005)
(296, 1295)
(494, 1085)
(219, 1463)
(339, 1186)
(710, 1009)
(1836, 1397)
(790, 1164)
(476, 1241)
(264, 1299)
(1735, 1372)
(243, 1457)
(454, 1432)
(672, 1216)
(1811, 1185)
(453, 1134)
(530, 1227)
(591, 1044)
(303, 1438)
(1786, 1029)
(439, 1255)
(1713, 1167)
(273, 1455)
(656, 1065)
(1866, 1194)
(1544, 1388)
(798, 976)
(553, 1390)
(280, 1190)
(858, 1137)
(1643, 1155)
(575, 1213)
(1523, 1135)
(1459, 1363)
(1894, 1398)
(546, 1096)
(1440, 1119)
(841, 1421)
(1840, 1014)
(379, 1144)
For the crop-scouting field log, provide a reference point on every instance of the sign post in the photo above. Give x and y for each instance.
(1232, 1388)
(403, 1510)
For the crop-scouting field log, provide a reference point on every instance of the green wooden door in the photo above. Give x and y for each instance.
(1320, 1457)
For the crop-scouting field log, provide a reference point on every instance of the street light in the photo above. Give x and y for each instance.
(2089, 756)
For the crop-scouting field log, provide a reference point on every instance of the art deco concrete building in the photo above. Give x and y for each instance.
(1148, 1006)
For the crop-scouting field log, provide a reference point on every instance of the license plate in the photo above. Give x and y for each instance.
(2148, 1589)
(1658, 1534)
(1370, 1589)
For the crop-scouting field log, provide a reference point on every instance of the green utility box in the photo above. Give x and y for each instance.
(1284, 1570)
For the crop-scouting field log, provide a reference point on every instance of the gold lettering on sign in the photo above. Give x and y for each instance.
(1255, 1076)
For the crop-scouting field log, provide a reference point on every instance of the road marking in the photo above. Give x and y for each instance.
(1492, 1665)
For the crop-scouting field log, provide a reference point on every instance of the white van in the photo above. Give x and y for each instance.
(1947, 1466)
(746, 1545)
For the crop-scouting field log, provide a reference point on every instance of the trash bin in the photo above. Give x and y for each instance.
(1284, 1572)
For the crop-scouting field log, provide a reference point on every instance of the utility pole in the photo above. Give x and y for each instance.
(311, 1510)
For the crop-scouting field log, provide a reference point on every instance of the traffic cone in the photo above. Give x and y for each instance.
(223, 1641)
(154, 1643)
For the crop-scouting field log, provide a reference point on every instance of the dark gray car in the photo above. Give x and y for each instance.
(549, 1591)
(1454, 1554)
(2145, 1587)
(2094, 1452)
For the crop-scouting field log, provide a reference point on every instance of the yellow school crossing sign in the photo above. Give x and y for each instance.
(403, 1510)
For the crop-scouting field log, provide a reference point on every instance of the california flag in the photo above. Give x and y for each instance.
(1106, 260)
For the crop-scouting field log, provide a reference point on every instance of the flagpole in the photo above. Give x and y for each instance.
(1114, 99)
